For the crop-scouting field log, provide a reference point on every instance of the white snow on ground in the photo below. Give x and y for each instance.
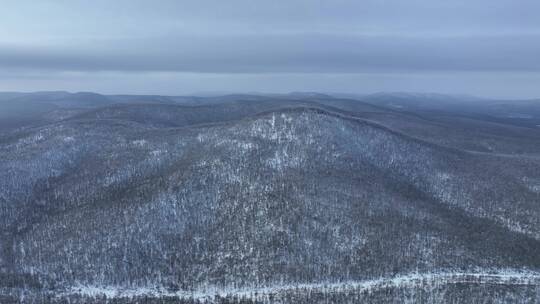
(532, 184)
(139, 142)
(507, 277)
(68, 139)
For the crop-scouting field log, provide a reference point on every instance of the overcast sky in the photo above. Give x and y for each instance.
(481, 47)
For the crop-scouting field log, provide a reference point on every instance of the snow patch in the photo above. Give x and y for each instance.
(532, 184)
(139, 142)
(443, 176)
(282, 160)
(157, 153)
(30, 140)
(412, 280)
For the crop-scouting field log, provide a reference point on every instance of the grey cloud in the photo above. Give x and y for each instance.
(270, 37)
(287, 54)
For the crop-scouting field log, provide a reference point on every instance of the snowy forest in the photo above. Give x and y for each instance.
(295, 198)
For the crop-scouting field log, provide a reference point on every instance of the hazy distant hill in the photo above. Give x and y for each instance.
(22, 109)
(519, 112)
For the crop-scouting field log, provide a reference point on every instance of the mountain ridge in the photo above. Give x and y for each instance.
(274, 193)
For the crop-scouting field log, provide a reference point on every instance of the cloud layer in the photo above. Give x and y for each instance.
(325, 38)
(307, 53)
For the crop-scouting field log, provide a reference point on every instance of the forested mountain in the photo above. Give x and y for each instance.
(301, 198)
